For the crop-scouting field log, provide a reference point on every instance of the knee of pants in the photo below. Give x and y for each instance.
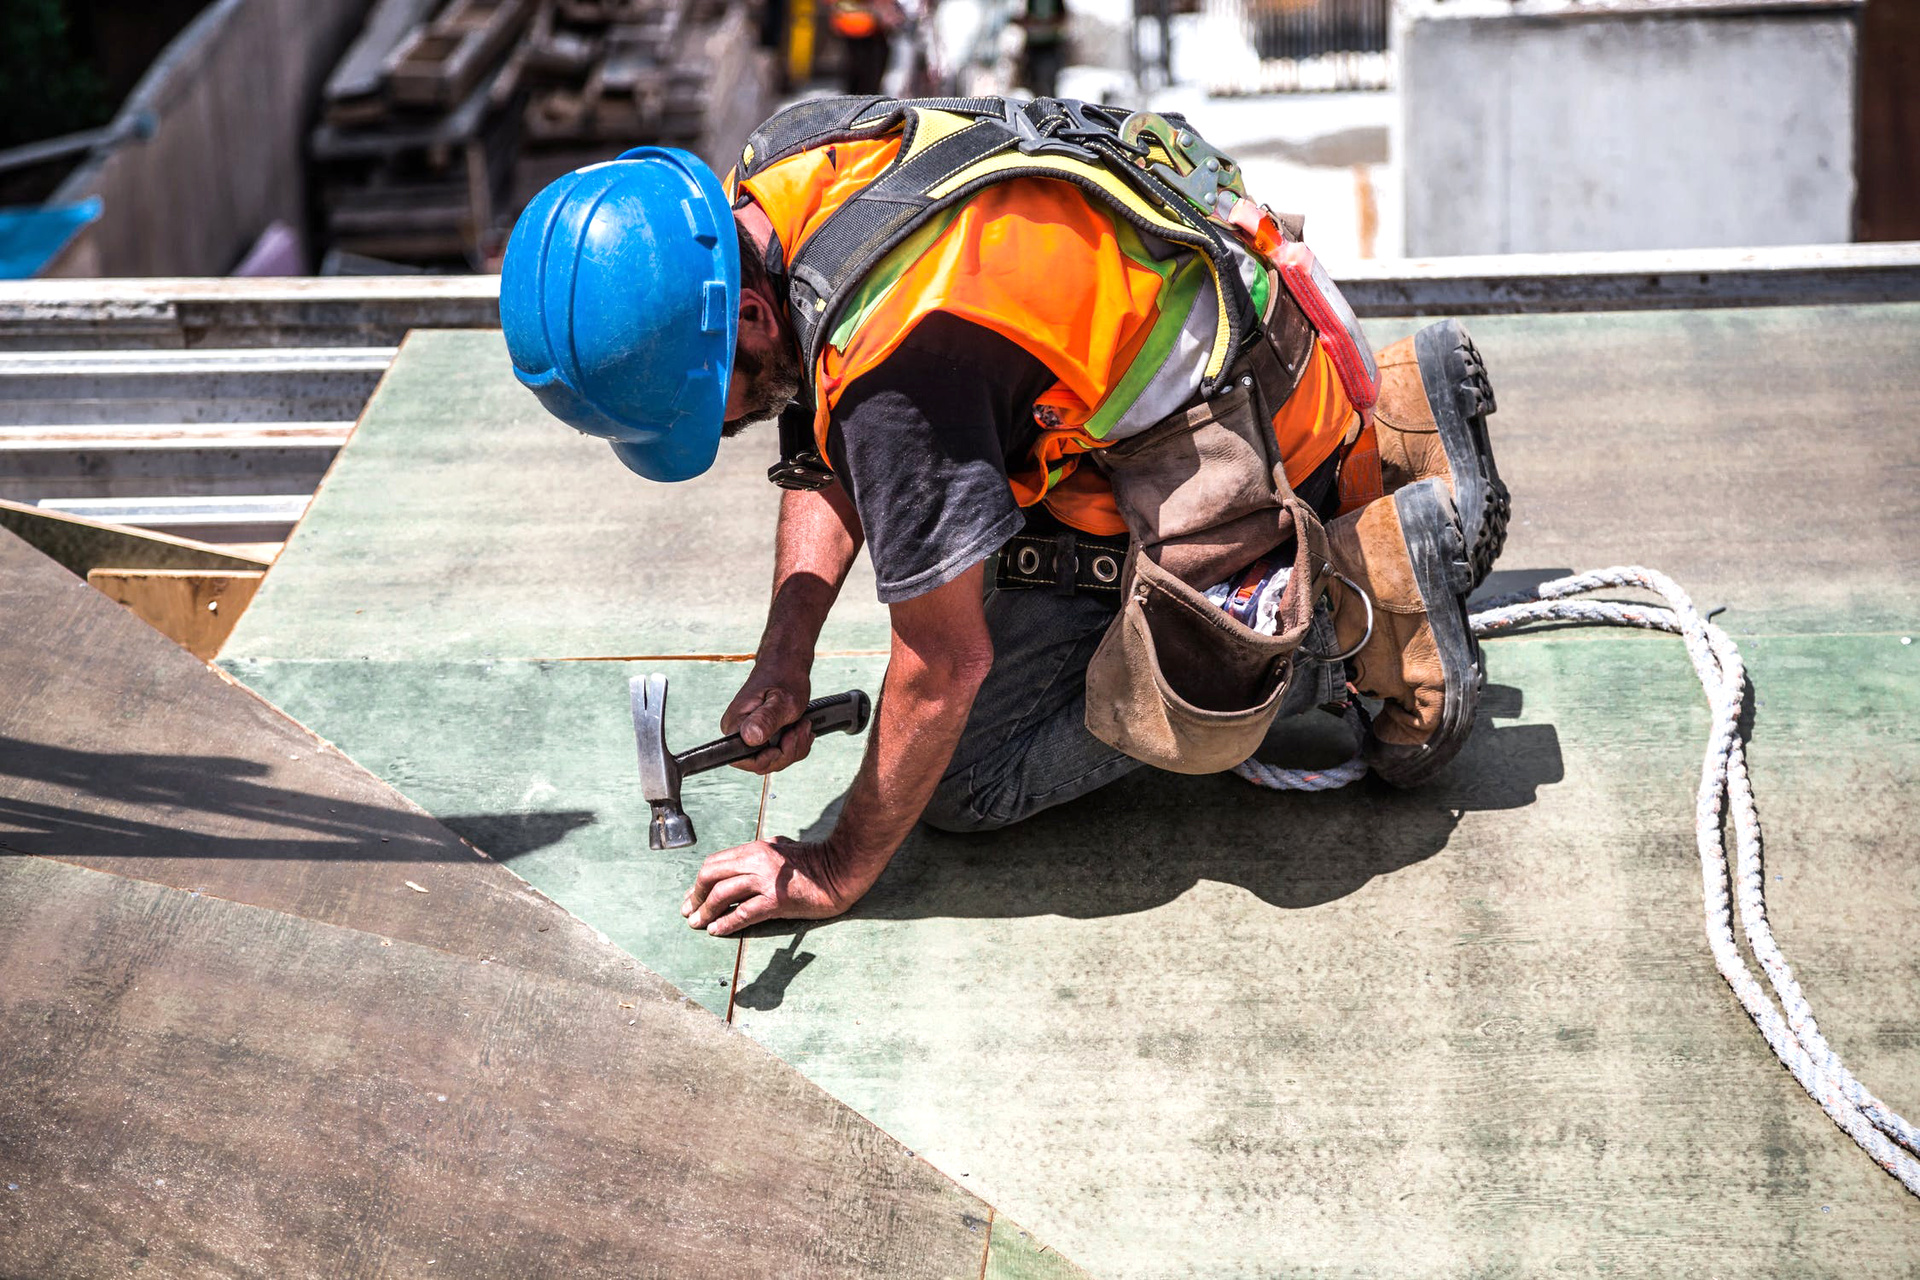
(956, 807)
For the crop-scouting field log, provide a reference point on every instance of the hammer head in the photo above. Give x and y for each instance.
(670, 828)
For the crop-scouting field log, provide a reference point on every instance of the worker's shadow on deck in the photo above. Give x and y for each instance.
(61, 802)
(1144, 841)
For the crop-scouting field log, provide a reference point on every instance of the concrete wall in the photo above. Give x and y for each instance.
(1636, 130)
(232, 97)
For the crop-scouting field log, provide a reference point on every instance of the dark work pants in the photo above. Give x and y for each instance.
(1026, 745)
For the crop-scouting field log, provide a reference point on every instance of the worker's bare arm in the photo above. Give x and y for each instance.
(819, 536)
(941, 652)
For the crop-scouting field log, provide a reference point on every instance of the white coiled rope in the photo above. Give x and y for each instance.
(1725, 788)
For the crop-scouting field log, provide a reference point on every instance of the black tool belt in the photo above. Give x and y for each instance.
(1065, 563)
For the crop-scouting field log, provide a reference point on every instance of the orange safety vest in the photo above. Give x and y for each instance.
(1036, 261)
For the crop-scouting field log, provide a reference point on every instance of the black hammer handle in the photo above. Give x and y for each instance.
(846, 712)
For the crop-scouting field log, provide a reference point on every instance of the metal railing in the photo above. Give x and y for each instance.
(1296, 46)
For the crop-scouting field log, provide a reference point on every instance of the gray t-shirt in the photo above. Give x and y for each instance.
(921, 442)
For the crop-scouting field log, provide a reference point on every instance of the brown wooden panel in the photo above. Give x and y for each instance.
(198, 1087)
(123, 752)
(194, 608)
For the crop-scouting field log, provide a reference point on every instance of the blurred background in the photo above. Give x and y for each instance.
(338, 137)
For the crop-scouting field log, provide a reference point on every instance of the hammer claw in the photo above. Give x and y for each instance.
(659, 776)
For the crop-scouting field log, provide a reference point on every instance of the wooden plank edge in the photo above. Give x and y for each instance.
(44, 530)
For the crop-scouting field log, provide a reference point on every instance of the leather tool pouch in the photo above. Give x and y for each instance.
(1176, 682)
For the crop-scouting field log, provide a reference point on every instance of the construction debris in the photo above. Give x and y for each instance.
(445, 116)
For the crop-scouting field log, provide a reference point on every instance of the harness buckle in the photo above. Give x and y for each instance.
(800, 466)
(1195, 168)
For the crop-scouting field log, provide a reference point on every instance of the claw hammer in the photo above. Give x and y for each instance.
(661, 771)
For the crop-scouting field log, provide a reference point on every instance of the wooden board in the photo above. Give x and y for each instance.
(194, 608)
(201, 1086)
(259, 1013)
(82, 545)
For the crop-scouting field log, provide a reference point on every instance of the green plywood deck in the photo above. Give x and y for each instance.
(534, 762)
(1474, 1030)
(1184, 1028)
(1761, 457)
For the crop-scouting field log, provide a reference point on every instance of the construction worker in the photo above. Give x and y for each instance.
(1043, 45)
(866, 29)
(1127, 398)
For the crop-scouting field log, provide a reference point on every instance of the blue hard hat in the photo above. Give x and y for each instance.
(620, 300)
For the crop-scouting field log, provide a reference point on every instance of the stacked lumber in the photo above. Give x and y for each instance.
(413, 153)
(446, 115)
(606, 72)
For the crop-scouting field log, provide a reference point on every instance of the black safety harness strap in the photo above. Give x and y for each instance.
(1066, 563)
(833, 262)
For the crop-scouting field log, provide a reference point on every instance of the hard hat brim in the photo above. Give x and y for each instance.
(681, 456)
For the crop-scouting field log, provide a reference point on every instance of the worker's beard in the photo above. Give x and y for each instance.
(773, 382)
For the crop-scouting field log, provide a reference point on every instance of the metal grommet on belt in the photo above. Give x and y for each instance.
(1105, 569)
(1027, 560)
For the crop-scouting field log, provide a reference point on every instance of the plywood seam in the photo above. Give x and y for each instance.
(1543, 633)
(740, 954)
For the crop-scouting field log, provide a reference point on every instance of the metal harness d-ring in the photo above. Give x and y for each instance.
(1359, 644)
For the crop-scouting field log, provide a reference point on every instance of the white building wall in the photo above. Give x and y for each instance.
(1652, 130)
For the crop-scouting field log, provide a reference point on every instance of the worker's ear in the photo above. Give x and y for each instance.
(759, 322)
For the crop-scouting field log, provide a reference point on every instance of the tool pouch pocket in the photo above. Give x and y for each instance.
(1176, 682)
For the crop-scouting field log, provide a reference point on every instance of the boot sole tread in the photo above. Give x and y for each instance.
(1461, 396)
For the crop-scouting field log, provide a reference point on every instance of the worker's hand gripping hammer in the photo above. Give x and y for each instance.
(661, 771)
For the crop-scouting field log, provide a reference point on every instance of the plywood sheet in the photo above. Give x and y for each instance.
(82, 544)
(1468, 1030)
(195, 1086)
(1759, 455)
(466, 522)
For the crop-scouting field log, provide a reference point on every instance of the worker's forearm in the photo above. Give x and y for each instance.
(818, 538)
(923, 709)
